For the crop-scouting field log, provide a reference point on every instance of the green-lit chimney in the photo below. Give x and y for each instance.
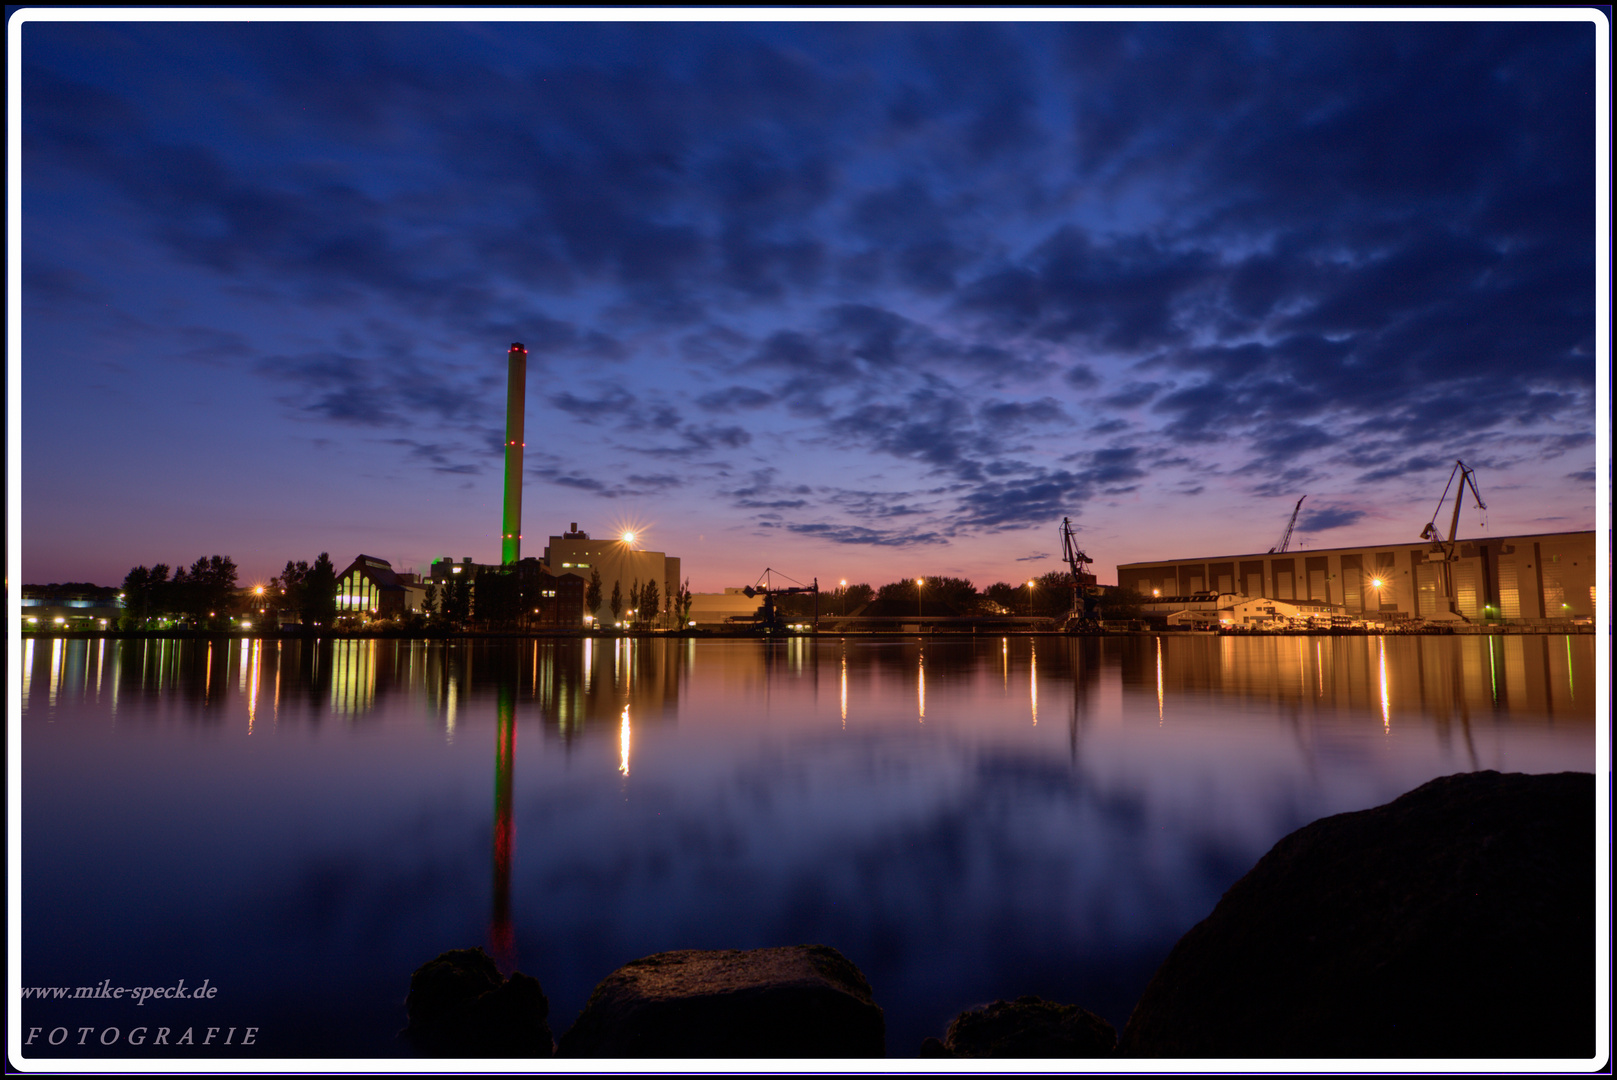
(516, 400)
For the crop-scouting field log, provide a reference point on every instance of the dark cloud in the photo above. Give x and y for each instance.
(614, 404)
(1318, 519)
(858, 534)
(1320, 252)
(1134, 394)
(732, 398)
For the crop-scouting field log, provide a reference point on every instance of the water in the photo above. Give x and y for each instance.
(303, 824)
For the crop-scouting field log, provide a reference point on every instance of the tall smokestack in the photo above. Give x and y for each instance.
(516, 403)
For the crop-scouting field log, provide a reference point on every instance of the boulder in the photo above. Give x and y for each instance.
(803, 1001)
(1028, 1027)
(1455, 921)
(459, 1006)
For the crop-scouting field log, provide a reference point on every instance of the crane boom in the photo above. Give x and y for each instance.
(1467, 475)
(1285, 539)
(766, 587)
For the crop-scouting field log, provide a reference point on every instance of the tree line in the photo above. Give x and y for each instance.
(205, 594)
(1049, 596)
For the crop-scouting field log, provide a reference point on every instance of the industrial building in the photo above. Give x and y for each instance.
(370, 586)
(543, 599)
(1532, 579)
(720, 610)
(621, 565)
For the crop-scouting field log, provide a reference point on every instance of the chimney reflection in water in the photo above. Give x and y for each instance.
(501, 936)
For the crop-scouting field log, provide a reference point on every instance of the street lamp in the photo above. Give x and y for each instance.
(918, 583)
(1030, 598)
(843, 591)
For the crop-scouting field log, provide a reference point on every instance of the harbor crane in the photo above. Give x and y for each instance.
(1285, 539)
(1443, 547)
(1084, 592)
(765, 586)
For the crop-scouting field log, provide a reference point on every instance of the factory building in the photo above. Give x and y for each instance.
(1546, 577)
(370, 586)
(621, 565)
(536, 597)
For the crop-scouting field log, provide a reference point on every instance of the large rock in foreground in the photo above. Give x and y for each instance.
(1456, 921)
(802, 1001)
(460, 1007)
(1028, 1027)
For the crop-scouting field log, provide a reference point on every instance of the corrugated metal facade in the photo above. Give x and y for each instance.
(1514, 578)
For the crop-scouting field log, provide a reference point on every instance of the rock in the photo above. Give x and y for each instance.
(1028, 1027)
(1455, 921)
(804, 1001)
(932, 1047)
(460, 1007)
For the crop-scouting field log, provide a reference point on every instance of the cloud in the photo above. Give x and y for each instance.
(732, 398)
(861, 535)
(1319, 519)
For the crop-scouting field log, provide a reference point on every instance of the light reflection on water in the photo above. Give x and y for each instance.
(259, 812)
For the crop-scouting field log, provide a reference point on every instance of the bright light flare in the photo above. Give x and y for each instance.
(628, 536)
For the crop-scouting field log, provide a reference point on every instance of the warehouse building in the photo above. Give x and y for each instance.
(1547, 577)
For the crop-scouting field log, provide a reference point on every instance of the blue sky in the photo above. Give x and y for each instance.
(851, 300)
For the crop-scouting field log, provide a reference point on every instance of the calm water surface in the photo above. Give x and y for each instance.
(302, 824)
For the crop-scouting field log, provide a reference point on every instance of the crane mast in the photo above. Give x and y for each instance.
(1084, 592)
(1445, 546)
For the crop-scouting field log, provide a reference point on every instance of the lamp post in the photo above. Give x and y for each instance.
(842, 591)
(919, 582)
(1030, 598)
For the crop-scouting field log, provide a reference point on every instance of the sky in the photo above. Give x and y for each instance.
(849, 300)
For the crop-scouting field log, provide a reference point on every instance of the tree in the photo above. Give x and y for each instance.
(429, 602)
(854, 597)
(1118, 603)
(634, 599)
(316, 591)
(145, 594)
(683, 603)
(592, 593)
(292, 579)
(455, 603)
(213, 584)
(650, 601)
(1002, 596)
(205, 591)
(617, 601)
